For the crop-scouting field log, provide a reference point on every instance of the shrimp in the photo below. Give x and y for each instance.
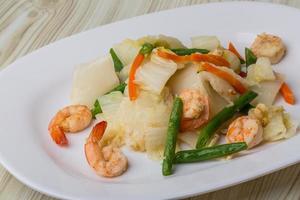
(72, 119)
(245, 129)
(195, 109)
(270, 46)
(107, 161)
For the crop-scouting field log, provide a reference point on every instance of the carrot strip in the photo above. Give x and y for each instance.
(287, 94)
(214, 59)
(195, 57)
(173, 57)
(233, 50)
(238, 86)
(132, 88)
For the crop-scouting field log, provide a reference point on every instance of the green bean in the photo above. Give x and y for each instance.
(208, 153)
(183, 52)
(173, 128)
(246, 109)
(96, 109)
(117, 62)
(146, 48)
(120, 88)
(249, 57)
(228, 112)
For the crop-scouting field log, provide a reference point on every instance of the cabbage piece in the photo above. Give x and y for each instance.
(275, 129)
(280, 125)
(216, 101)
(290, 124)
(155, 138)
(146, 112)
(153, 75)
(124, 73)
(161, 61)
(189, 138)
(205, 42)
(236, 76)
(267, 92)
(93, 79)
(261, 71)
(186, 78)
(127, 50)
(234, 61)
(222, 87)
(161, 40)
(110, 104)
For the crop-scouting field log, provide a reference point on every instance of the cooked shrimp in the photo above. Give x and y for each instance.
(270, 46)
(107, 161)
(245, 129)
(195, 109)
(72, 119)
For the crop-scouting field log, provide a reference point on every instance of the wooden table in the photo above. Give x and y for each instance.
(51, 20)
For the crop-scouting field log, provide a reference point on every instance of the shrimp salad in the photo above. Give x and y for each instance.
(177, 104)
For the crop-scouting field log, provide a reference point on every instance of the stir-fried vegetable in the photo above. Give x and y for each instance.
(250, 57)
(228, 112)
(161, 41)
(238, 86)
(235, 63)
(246, 109)
(120, 88)
(232, 48)
(117, 62)
(183, 52)
(195, 57)
(205, 42)
(146, 49)
(261, 71)
(154, 74)
(110, 103)
(96, 109)
(287, 94)
(196, 155)
(173, 129)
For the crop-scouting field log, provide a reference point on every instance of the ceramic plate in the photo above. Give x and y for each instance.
(34, 87)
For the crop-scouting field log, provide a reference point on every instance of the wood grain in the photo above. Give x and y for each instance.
(26, 25)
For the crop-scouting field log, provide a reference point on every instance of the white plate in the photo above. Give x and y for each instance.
(34, 87)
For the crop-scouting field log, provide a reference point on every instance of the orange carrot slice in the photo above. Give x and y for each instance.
(238, 86)
(132, 87)
(196, 57)
(287, 94)
(174, 57)
(214, 59)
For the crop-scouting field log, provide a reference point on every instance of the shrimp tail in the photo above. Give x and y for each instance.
(91, 146)
(98, 131)
(58, 136)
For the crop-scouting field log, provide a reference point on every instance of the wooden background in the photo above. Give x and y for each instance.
(26, 25)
